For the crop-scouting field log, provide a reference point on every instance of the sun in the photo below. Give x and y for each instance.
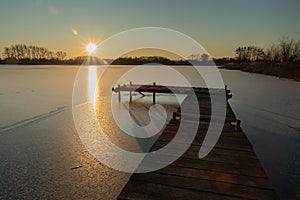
(91, 48)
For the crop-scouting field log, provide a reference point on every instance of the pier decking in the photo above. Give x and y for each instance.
(230, 171)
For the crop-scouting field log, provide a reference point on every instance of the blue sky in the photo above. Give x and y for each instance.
(219, 26)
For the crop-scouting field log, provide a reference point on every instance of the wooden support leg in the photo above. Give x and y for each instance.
(154, 84)
(130, 93)
(119, 93)
(141, 93)
(238, 125)
(174, 117)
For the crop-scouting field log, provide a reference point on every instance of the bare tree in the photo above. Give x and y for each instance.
(286, 46)
(249, 53)
(273, 54)
(7, 52)
(61, 55)
(50, 55)
(287, 50)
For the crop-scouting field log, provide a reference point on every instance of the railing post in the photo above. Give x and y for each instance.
(154, 84)
(238, 125)
(174, 117)
(130, 92)
(119, 93)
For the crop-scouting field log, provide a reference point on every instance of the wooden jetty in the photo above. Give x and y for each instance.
(230, 171)
(162, 89)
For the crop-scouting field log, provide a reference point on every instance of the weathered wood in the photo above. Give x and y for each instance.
(144, 190)
(203, 117)
(198, 184)
(257, 182)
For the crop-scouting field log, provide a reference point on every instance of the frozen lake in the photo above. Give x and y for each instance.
(42, 156)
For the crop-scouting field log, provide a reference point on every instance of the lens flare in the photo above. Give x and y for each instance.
(74, 31)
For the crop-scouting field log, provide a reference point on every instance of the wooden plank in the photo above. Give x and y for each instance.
(206, 117)
(213, 166)
(220, 167)
(147, 191)
(223, 142)
(257, 182)
(215, 151)
(205, 185)
(203, 127)
(227, 159)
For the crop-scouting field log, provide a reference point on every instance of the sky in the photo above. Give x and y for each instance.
(218, 25)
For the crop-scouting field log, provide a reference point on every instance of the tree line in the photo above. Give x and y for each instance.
(147, 60)
(287, 50)
(21, 53)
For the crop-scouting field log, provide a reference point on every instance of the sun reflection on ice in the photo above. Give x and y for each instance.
(93, 85)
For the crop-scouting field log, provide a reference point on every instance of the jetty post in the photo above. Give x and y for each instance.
(238, 125)
(119, 93)
(154, 84)
(130, 92)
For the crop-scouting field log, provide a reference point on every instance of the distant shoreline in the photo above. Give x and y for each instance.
(282, 70)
